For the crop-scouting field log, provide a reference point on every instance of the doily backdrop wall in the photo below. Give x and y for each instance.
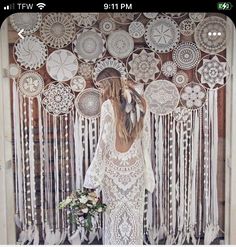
(177, 60)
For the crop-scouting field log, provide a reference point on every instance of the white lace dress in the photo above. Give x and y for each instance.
(123, 178)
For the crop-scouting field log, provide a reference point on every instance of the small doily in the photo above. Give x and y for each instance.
(181, 114)
(213, 71)
(77, 83)
(210, 35)
(107, 25)
(57, 30)
(30, 52)
(62, 65)
(85, 19)
(150, 15)
(175, 15)
(193, 95)
(89, 45)
(197, 17)
(162, 97)
(180, 79)
(136, 29)
(162, 34)
(124, 18)
(186, 55)
(30, 84)
(144, 65)
(108, 62)
(14, 70)
(30, 22)
(187, 27)
(85, 70)
(169, 69)
(57, 98)
(120, 44)
(87, 103)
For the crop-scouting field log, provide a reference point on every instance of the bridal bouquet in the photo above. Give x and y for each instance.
(83, 206)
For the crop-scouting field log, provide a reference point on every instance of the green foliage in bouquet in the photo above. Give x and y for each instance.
(83, 206)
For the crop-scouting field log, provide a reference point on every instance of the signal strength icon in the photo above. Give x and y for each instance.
(6, 7)
(9, 7)
(40, 5)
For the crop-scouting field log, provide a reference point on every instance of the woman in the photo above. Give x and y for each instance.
(122, 164)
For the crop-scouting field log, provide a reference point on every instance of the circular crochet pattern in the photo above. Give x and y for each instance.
(30, 22)
(181, 114)
(175, 15)
(197, 17)
(162, 34)
(85, 70)
(14, 70)
(31, 84)
(77, 83)
(213, 71)
(169, 69)
(62, 65)
(107, 25)
(30, 52)
(210, 35)
(57, 30)
(144, 65)
(124, 18)
(58, 98)
(108, 62)
(187, 27)
(180, 79)
(89, 45)
(186, 55)
(193, 95)
(87, 103)
(150, 15)
(85, 19)
(120, 44)
(162, 97)
(136, 29)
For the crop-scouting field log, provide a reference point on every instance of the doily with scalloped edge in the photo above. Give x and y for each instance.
(197, 17)
(180, 79)
(187, 27)
(85, 19)
(107, 25)
(124, 17)
(77, 83)
(136, 29)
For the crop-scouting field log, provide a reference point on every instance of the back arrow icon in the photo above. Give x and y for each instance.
(20, 33)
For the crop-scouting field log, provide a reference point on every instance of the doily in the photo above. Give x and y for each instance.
(89, 45)
(136, 29)
(62, 65)
(57, 30)
(124, 18)
(187, 27)
(144, 65)
(169, 69)
(85, 70)
(162, 97)
(87, 103)
(108, 62)
(186, 55)
(30, 22)
(77, 83)
(30, 52)
(85, 19)
(197, 17)
(14, 70)
(181, 114)
(210, 35)
(162, 34)
(193, 95)
(180, 79)
(150, 15)
(120, 44)
(214, 72)
(30, 83)
(107, 25)
(175, 15)
(58, 98)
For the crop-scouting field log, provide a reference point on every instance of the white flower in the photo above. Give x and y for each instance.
(83, 199)
(99, 210)
(84, 210)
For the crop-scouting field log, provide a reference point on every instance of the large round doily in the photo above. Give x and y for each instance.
(150, 15)
(30, 52)
(210, 35)
(77, 83)
(162, 34)
(30, 84)
(124, 18)
(120, 44)
(169, 69)
(62, 65)
(57, 98)
(87, 103)
(30, 22)
(85, 19)
(57, 30)
(162, 97)
(180, 79)
(89, 45)
(197, 17)
(107, 25)
(193, 95)
(186, 55)
(85, 70)
(213, 71)
(136, 29)
(187, 27)
(144, 65)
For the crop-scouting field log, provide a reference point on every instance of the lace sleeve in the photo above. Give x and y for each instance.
(95, 173)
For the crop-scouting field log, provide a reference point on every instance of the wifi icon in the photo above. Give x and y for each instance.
(41, 5)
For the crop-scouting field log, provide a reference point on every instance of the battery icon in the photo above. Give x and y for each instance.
(224, 6)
